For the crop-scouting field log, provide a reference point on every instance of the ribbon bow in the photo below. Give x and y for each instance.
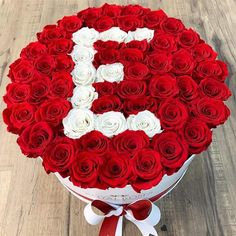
(143, 213)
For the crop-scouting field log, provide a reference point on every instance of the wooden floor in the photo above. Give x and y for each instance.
(204, 204)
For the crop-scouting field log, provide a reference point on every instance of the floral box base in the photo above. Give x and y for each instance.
(127, 195)
(119, 201)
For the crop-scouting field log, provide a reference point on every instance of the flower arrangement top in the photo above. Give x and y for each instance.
(116, 96)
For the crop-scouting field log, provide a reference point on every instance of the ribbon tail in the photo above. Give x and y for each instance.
(146, 226)
(146, 229)
(112, 226)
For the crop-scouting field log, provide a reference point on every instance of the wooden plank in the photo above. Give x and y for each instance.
(32, 203)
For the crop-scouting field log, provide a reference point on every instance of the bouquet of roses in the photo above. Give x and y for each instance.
(116, 98)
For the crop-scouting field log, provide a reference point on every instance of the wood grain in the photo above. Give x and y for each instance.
(32, 203)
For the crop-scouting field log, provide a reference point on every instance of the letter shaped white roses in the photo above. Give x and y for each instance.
(80, 120)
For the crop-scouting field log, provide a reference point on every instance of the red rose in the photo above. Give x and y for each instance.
(94, 142)
(133, 106)
(159, 63)
(116, 170)
(90, 16)
(198, 136)
(21, 71)
(59, 156)
(182, 62)
(131, 55)
(111, 10)
(85, 170)
(130, 142)
(18, 116)
(136, 71)
(108, 56)
(96, 60)
(106, 103)
(163, 87)
(140, 45)
(153, 105)
(40, 88)
(60, 46)
(70, 24)
(128, 89)
(16, 93)
(147, 168)
(64, 63)
(103, 23)
(153, 19)
(188, 88)
(172, 148)
(214, 89)
(173, 114)
(213, 112)
(202, 52)
(188, 38)
(136, 10)
(172, 26)
(33, 50)
(129, 22)
(163, 42)
(101, 45)
(61, 85)
(50, 33)
(53, 111)
(34, 139)
(212, 69)
(45, 64)
(105, 88)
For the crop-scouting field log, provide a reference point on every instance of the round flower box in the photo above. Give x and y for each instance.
(117, 101)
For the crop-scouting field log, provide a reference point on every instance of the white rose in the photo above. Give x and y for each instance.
(78, 122)
(114, 34)
(83, 74)
(83, 54)
(85, 36)
(110, 72)
(146, 121)
(83, 96)
(129, 37)
(111, 123)
(143, 33)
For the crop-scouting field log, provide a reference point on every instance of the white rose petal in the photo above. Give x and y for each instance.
(85, 36)
(110, 72)
(83, 74)
(82, 54)
(143, 33)
(146, 121)
(114, 34)
(129, 37)
(111, 123)
(78, 122)
(83, 96)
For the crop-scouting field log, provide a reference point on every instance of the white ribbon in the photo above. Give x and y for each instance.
(145, 226)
